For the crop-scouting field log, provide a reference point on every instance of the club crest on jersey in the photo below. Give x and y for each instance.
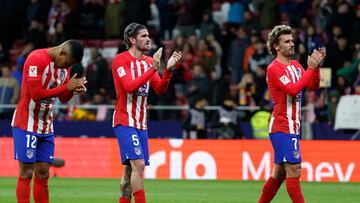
(62, 76)
(32, 71)
(138, 151)
(29, 153)
(297, 154)
(298, 73)
(121, 71)
(284, 79)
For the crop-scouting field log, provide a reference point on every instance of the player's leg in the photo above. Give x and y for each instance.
(273, 184)
(131, 154)
(293, 173)
(45, 155)
(23, 184)
(138, 167)
(125, 186)
(293, 169)
(25, 152)
(137, 183)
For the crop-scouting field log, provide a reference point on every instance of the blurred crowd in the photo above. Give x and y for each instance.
(223, 43)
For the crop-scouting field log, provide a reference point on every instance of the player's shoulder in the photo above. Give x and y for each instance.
(38, 56)
(40, 53)
(272, 65)
(295, 62)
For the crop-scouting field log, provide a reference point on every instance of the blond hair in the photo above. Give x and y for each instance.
(273, 37)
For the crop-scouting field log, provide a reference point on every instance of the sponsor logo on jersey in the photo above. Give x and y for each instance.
(29, 153)
(284, 79)
(32, 71)
(142, 91)
(121, 71)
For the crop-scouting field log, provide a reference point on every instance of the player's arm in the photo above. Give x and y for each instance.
(315, 80)
(279, 78)
(316, 58)
(67, 95)
(120, 70)
(34, 68)
(160, 84)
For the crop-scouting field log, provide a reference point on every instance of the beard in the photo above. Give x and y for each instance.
(144, 48)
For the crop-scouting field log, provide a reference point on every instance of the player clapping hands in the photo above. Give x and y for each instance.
(175, 57)
(316, 58)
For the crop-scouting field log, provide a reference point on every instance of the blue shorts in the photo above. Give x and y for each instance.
(133, 144)
(286, 148)
(31, 147)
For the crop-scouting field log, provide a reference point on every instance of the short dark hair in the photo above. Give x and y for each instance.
(131, 31)
(76, 49)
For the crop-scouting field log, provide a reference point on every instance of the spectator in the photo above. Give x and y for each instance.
(114, 18)
(36, 35)
(96, 72)
(208, 26)
(93, 18)
(198, 85)
(9, 91)
(195, 123)
(226, 121)
(190, 12)
(261, 57)
(167, 18)
(236, 55)
(337, 55)
(218, 89)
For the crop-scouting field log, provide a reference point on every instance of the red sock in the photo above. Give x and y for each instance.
(124, 200)
(41, 191)
(294, 190)
(140, 196)
(23, 190)
(269, 190)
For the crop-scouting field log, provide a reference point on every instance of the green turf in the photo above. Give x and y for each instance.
(64, 190)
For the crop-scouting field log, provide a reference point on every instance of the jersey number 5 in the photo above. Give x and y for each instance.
(135, 140)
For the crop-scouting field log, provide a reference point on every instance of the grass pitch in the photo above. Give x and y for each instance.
(67, 190)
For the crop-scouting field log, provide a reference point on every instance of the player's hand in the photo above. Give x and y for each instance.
(76, 83)
(79, 90)
(175, 57)
(322, 52)
(156, 58)
(315, 59)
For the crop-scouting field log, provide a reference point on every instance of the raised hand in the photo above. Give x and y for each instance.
(156, 58)
(175, 57)
(316, 58)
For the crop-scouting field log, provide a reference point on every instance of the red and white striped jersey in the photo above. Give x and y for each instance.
(286, 82)
(132, 79)
(42, 81)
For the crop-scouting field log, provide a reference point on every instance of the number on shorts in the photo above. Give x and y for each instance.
(295, 143)
(31, 141)
(135, 140)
